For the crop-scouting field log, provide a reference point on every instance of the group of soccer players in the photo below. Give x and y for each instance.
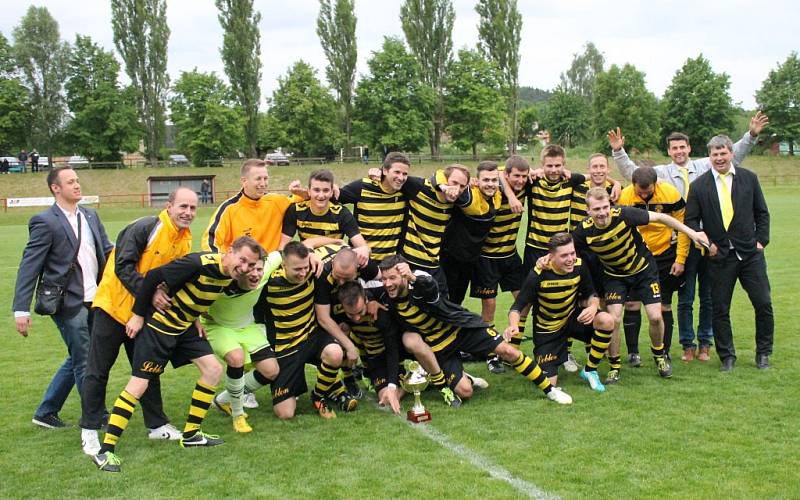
(289, 281)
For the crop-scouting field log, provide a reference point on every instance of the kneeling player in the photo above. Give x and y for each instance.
(554, 294)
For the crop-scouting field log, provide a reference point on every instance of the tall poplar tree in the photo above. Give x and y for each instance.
(241, 53)
(140, 35)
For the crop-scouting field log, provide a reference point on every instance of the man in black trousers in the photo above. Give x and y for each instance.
(730, 205)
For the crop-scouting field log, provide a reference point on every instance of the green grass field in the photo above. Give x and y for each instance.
(701, 434)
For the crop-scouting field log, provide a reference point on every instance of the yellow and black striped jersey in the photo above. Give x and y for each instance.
(554, 296)
(502, 239)
(336, 222)
(619, 245)
(193, 282)
(578, 205)
(380, 215)
(549, 206)
(288, 312)
(435, 332)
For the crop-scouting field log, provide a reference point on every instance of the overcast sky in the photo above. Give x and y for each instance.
(742, 38)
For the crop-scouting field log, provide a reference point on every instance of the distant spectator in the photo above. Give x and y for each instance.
(205, 190)
(4, 166)
(365, 156)
(34, 161)
(23, 160)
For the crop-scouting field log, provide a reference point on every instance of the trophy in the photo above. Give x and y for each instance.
(415, 381)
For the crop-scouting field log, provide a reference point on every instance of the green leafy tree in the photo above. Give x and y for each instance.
(305, 112)
(393, 104)
(241, 53)
(579, 78)
(622, 100)
(41, 56)
(697, 103)
(568, 117)
(208, 123)
(779, 98)
(428, 26)
(14, 106)
(104, 120)
(141, 35)
(500, 31)
(336, 28)
(475, 104)
(529, 118)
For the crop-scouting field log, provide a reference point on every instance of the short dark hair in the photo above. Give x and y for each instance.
(487, 166)
(558, 240)
(448, 170)
(517, 162)
(322, 175)
(553, 151)
(52, 177)
(597, 193)
(350, 292)
(391, 261)
(677, 136)
(295, 248)
(395, 157)
(247, 241)
(251, 163)
(644, 177)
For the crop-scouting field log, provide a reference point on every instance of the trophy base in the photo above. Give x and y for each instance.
(418, 418)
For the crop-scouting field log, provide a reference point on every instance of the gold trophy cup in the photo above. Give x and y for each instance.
(415, 381)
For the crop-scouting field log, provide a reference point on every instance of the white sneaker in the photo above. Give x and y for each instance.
(249, 400)
(559, 396)
(166, 431)
(89, 442)
(477, 382)
(571, 364)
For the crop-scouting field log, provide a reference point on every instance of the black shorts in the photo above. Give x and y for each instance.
(152, 350)
(550, 349)
(488, 273)
(669, 283)
(458, 274)
(592, 262)
(480, 342)
(291, 379)
(265, 352)
(642, 287)
(438, 274)
(531, 256)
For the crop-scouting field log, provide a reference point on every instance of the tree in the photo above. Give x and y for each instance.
(579, 78)
(207, 122)
(474, 102)
(14, 106)
(622, 100)
(529, 118)
(336, 28)
(779, 98)
(305, 113)
(41, 55)
(104, 118)
(140, 35)
(241, 53)
(697, 103)
(428, 26)
(392, 103)
(567, 117)
(499, 31)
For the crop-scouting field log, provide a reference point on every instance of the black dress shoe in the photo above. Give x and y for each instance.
(727, 364)
(762, 361)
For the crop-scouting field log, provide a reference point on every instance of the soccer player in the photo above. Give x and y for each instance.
(555, 294)
(193, 282)
(628, 271)
(318, 221)
(681, 172)
(415, 300)
(240, 341)
(597, 177)
(668, 249)
(287, 307)
(145, 244)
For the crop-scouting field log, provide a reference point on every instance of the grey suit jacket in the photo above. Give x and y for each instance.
(49, 253)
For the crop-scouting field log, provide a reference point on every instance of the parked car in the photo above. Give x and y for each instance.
(13, 163)
(76, 161)
(177, 160)
(276, 158)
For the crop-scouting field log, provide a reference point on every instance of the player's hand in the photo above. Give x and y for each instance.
(405, 271)
(676, 269)
(351, 355)
(161, 300)
(515, 205)
(23, 324)
(510, 332)
(133, 326)
(712, 250)
(587, 315)
(451, 193)
(389, 397)
(757, 123)
(374, 308)
(315, 264)
(201, 331)
(362, 254)
(566, 174)
(759, 246)
(297, 189)
(700, 238)
(615, 139)
(535, 173)
(616, 191)
(336, 191)
(543, 262)
(374, 173)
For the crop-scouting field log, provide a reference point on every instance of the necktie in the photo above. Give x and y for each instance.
(725, 202)
(685, 174)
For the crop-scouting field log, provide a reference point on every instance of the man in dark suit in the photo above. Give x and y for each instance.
(49, 254)
(728, 201)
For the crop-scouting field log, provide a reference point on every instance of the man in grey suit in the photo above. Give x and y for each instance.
(49, 254)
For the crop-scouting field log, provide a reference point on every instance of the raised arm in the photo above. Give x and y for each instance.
(625, 165)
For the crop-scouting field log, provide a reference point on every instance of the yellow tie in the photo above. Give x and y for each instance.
(685, 174)
(726, 204)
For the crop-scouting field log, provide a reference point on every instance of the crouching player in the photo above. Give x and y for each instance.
(236, 337)
(555, 291)
(193, 282)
